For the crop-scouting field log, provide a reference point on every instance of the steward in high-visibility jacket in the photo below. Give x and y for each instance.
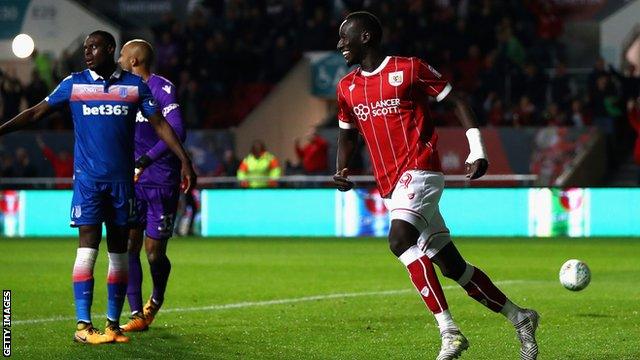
(259, 169)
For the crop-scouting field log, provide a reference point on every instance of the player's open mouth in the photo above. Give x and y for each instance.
(346, 54)
(89, 62)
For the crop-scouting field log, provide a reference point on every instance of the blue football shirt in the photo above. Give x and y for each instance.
(104, 113)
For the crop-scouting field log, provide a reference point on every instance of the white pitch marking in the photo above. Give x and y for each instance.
(269, 302)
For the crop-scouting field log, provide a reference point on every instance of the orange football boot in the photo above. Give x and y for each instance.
(87, 334)
(137, 322)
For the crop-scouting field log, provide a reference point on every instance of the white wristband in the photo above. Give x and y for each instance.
(476, 146)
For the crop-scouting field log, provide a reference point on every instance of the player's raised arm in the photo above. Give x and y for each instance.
(26, 118)
(59, 96)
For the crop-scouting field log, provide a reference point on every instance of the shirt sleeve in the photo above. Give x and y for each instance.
(171, 111)
(345, 114)
(148, 105)
(61, 94)
(431, 82)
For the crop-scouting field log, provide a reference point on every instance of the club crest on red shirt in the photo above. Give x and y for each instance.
(395, 78)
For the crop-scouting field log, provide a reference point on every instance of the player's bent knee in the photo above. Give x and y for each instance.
(156, 255)
(397, 247)
(402, 236)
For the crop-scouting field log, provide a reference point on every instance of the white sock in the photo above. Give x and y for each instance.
(410, 255)
(86, 258)
(118, 262)
(512, 312)
(445, 321)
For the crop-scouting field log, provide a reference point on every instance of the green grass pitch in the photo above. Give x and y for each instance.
(283, 298)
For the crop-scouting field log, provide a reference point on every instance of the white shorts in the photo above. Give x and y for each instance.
(415, 200)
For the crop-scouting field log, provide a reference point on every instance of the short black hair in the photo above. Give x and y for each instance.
(106, 36)
(370, 23)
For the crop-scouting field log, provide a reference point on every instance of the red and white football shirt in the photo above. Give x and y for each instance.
(389, 106)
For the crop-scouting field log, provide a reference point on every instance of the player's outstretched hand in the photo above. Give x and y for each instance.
(341, 181)
(188, 176)
(476, 169)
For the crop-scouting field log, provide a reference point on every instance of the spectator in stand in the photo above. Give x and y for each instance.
(24, 168)
(36, 90)
(313, 155)
(62, 162)
(229, 165)
(494, 110)
(7, 166)
(603, 105)
(468, 70)
(554, 116)
(11, 92)
(460, 40)
(483, 18)
(260, 168)
(597, 71)
(44, 67)
(63, 66)
(491, 80)
(525, 114)
(550, 26)
(280, 59)
(561, 86)
(167, 52)
(533, 85)
(578, 117)
(190, 100)
(510, 49)
(633, 115)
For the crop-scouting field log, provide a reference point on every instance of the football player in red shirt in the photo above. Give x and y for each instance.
(386, 100)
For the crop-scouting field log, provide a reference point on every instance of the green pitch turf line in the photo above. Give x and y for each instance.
(272, 302)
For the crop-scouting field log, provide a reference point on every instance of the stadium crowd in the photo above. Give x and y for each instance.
(506, 56)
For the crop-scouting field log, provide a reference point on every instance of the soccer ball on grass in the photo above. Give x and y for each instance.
(575, 275)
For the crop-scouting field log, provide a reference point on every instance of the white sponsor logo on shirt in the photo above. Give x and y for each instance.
(167, 89)
(396, 78)
(140, 118)
(105, 110)
(352, 86)
(379, 108)
(167, 109)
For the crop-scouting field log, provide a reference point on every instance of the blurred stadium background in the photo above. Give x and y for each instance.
(554, 83)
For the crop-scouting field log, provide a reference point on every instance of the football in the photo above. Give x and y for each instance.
(575, 275)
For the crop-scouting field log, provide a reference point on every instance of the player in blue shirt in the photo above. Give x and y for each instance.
(104, 101)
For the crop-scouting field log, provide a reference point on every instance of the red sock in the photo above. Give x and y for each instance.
(480, 287)
(424, 278)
